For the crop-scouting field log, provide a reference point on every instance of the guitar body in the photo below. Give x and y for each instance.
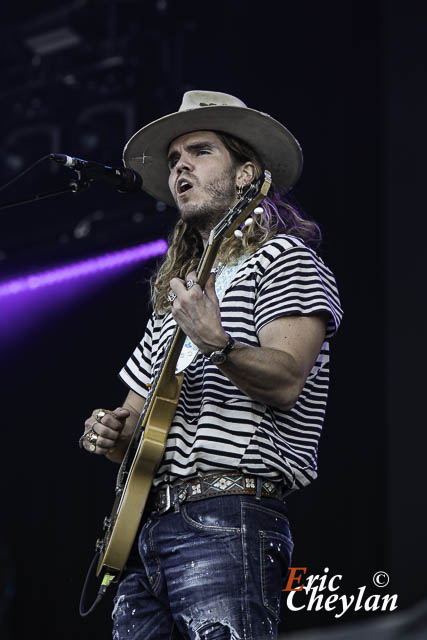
(148, 443)
(122, 525)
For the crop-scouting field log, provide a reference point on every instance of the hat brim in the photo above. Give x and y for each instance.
(146, 152)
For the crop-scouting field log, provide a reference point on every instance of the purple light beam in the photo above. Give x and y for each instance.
(84, 268)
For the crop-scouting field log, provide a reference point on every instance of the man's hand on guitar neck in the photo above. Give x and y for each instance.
(274, 372)
(112, 430)
(197, 312)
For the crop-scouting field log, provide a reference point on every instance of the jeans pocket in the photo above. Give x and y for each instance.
(214, 515)
(275, 555)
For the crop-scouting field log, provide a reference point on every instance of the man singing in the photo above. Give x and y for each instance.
(209, 562)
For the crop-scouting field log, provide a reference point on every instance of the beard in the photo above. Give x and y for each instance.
(220, 194)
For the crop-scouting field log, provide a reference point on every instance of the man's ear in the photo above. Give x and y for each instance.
(245, 174)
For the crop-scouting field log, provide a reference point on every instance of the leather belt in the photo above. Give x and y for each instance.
(212, 486)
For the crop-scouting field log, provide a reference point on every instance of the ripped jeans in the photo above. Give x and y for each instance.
(211, 571)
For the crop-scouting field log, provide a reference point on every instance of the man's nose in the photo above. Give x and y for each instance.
(184, 164)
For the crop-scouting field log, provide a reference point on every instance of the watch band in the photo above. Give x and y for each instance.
(220, 356)
(230, 344)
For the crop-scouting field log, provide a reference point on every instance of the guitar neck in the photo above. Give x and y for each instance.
(165, 377)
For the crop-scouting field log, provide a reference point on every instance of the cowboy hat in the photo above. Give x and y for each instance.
(146, 152)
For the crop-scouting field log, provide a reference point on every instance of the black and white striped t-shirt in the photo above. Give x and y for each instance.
(218, 427)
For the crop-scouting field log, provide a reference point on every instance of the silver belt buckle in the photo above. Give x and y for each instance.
(168, 501)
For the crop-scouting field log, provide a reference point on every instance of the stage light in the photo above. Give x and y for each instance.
(53, 41)
(83, 268)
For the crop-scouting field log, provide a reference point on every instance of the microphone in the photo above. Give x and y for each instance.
(125, 180)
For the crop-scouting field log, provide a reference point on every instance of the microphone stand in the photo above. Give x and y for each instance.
(81, 183)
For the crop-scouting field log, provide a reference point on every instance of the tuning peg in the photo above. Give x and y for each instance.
(238, 233)
(248, 222)
(258, 211)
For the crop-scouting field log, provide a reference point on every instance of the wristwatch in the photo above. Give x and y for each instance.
(219, 357)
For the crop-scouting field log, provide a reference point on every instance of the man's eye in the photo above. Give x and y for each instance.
(202, 151)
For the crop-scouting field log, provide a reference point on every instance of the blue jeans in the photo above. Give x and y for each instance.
(212, 571)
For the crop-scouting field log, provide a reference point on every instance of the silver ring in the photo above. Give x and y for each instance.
(171, 297)
(100, 414)
(92, 436)
(189, 284)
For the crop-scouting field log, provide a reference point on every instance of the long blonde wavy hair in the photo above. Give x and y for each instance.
(186, 246)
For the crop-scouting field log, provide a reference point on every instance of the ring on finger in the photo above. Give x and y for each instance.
(100, 414)
(171, 297)
(190, 283)
(93, 428)
(92, 436)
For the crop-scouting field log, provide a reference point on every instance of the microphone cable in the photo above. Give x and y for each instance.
(24, 172)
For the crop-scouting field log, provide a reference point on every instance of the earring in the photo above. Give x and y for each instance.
(239, 191)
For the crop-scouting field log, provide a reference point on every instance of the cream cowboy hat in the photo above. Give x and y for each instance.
(146, 151)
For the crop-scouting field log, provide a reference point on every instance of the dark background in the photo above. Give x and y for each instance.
(348, 79)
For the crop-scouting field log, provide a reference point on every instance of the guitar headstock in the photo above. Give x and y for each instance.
(252, 197)
(249, 201)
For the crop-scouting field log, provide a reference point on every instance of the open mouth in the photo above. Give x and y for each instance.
(183, 186)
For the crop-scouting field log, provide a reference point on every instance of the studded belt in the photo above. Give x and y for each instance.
(212, 486)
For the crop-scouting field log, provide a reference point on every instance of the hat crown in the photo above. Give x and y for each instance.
(198, 99)
(146, 151)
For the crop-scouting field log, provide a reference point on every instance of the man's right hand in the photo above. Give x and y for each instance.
(112, 432)
(103, 431)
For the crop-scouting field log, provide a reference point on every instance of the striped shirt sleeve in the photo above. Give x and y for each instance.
(296, 282)
(137, 371)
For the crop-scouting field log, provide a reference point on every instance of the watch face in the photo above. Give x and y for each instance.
(218, 357)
